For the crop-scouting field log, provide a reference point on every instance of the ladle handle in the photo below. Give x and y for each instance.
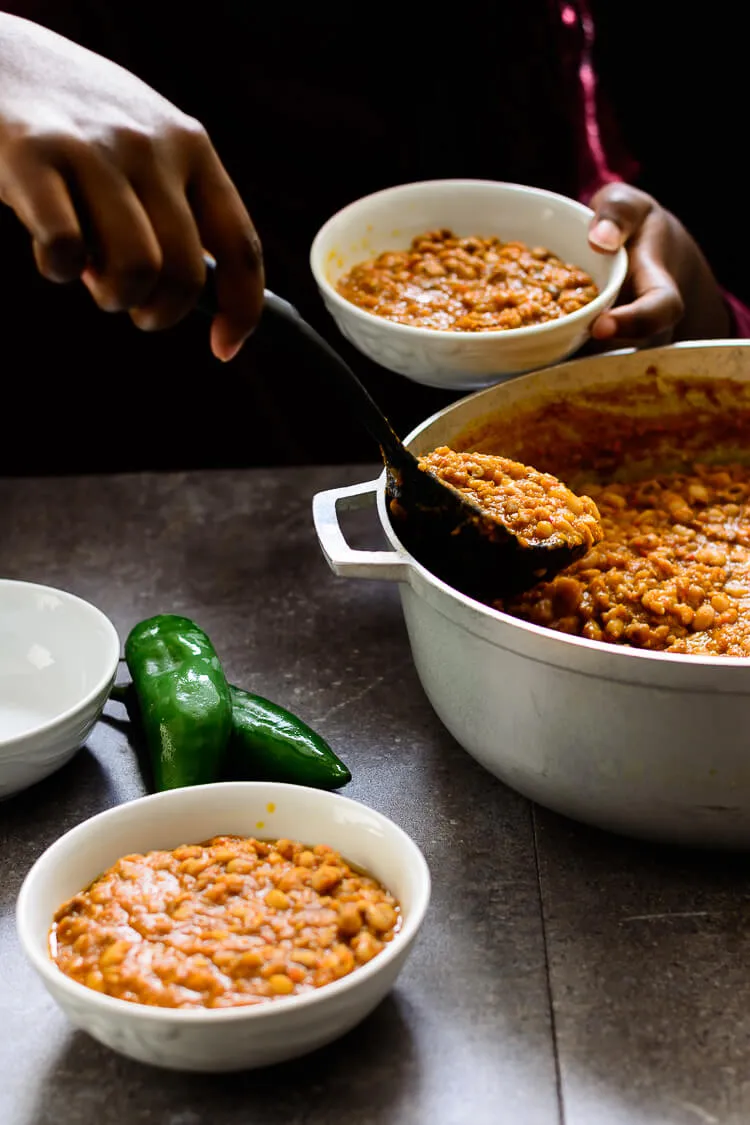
(339, 373)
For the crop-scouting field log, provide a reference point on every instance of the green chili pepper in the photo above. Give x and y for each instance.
(183, 699)
(270, 744)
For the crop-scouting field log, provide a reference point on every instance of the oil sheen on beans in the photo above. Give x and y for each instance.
(230, 922)
(672, 572)
(472, 284)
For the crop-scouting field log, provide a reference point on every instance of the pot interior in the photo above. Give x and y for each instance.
(673, 571)
(654, 423)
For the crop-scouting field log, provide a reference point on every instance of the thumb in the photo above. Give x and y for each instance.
(619, 213)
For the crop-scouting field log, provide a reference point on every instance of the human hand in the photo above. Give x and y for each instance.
(119, 188)
(670, 292)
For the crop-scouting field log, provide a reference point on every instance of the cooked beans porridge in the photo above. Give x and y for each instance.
(536, 507)
(673, 570)
(226, 923)
(467, 284)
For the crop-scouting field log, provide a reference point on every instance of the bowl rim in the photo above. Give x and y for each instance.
(409, 851)
(101, 684)
(620, 653)
(618, 265)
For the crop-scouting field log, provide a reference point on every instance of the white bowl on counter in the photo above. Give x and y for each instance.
(645, 743)
(225, 1039)
(389, 219)
(58, 660)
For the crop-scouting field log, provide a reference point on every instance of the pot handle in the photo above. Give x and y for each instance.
(387, 566)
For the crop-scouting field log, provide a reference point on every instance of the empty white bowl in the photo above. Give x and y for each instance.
(223, 1039)
(389, 219)
(58, 659)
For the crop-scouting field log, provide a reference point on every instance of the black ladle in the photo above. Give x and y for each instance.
(444, 530)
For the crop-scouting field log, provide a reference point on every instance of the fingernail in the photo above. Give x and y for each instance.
(606, 235)
(228, 353)
(106, 301)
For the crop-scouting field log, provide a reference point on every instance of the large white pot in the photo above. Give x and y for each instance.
(649, 744)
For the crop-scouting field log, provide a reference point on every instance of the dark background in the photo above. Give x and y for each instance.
(311, 106)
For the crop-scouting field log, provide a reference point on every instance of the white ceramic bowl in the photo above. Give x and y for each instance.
(389, 219)
(225, 1039)
(58, 659)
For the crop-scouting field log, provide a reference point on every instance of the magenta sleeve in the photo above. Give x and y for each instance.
(740, 316)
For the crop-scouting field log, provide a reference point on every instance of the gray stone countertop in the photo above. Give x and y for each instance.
(563, 976)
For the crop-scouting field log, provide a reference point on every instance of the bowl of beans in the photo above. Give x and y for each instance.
(616, 692)
(460, 284)
(224, 927)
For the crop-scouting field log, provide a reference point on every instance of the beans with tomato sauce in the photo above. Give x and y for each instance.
(535, 507)
(671, 574)
(467, 284)
(226, 923)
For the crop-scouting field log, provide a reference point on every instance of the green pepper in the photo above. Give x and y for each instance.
(183, 699)
(270, 744)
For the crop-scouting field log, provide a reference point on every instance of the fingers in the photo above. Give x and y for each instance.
(85, 221)
(40, 198)
(657, 305)
(132, 222)
(619, 212)
(653, 313)
(183, 273)
(227, 231)
(125, 255)
(625, 215)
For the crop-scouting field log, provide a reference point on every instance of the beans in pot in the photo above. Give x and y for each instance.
(672, 573)
(467, 284)
(230, 922)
